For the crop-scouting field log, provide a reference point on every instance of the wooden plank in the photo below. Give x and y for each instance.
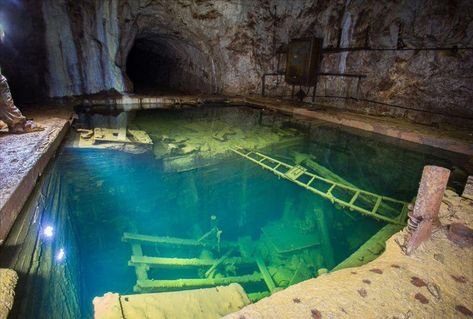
(170, 241)
(164, 262)
(196, 282)
(141, 271)
(218, 263)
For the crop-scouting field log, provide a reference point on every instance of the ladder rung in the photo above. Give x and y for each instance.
(329, 192)
(353, 199)
(311, 180)
(376, 206)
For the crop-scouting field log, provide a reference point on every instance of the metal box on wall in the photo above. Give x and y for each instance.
(304, 57)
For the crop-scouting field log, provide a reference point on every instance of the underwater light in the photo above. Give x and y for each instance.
(48, 231)
(61, 254)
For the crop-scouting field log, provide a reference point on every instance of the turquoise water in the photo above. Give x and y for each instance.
(108, 192)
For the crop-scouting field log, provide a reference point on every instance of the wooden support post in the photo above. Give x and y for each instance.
(141, 270)
(325, 238)
(217, 263)
(429, 197)
(265, 274)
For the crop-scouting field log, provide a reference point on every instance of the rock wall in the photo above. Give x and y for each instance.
(225, 46)
(48, 286)
(23, 52)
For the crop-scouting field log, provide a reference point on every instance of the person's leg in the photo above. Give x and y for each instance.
(9, 113)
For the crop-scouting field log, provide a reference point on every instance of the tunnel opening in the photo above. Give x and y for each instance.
(162, 65)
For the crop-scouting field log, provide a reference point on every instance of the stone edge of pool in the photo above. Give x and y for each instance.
(24, 158)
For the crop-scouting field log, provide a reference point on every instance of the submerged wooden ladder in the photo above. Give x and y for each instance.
(143, 264)
(379, 207)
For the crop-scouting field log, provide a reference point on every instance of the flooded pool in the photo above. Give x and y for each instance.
(189, 212)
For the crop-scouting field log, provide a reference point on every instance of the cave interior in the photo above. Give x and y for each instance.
(284, 142)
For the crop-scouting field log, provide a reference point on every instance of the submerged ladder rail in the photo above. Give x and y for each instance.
(294, 172)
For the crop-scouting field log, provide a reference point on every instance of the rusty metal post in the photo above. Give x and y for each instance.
(429, 197)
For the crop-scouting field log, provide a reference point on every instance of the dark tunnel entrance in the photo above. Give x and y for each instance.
(161, 65)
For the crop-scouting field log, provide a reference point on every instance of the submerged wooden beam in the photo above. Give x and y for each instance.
(371, 249)
(216, 263)
(141, 270)
(170, 241)
(266, 275)
(163, 262)
(196, 282)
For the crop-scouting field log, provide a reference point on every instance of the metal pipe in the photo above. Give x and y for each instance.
(339, 50)
(429, 197)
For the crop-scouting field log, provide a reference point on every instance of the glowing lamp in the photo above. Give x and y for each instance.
(48, 231)
(61, 255)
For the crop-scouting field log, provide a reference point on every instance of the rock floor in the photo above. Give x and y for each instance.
(23, 158)
(8, 280)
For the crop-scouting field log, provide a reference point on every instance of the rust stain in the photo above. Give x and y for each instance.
(376, 271)
(422, 299)
(464, 310)
(315, 314)
(416, 281)
(461, 279)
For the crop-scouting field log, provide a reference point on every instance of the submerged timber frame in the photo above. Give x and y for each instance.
(143, 264)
